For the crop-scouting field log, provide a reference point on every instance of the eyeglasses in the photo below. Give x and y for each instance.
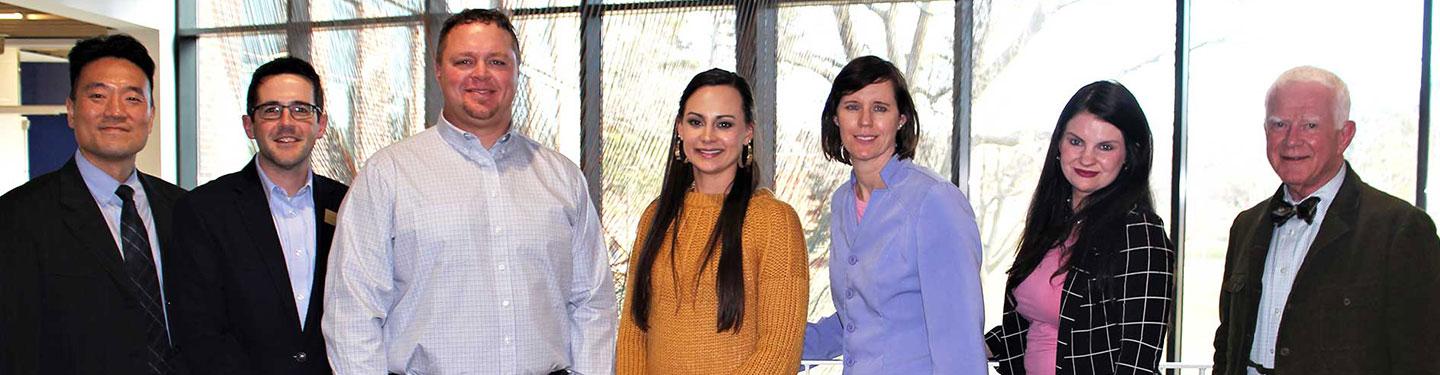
(273, 111)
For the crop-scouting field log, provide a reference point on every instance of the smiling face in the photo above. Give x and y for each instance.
(1304, 141)
(713, 131)
(868, 121)
(477, 73)
(1092, 153)
(111, 111)
(286, 142)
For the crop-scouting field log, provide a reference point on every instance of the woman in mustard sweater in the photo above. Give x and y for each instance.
(718, 280)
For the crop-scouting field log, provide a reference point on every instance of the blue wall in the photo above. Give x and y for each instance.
(50, 139)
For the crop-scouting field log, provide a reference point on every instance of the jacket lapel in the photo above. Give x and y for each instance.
(254, 207)
(88, 224)
(324, 233)
(1336, 225)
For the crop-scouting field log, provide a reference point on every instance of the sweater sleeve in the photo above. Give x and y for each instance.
(783, 287)
(630, 343)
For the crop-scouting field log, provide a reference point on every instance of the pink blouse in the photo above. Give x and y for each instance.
(1037, 299)
(860, 208)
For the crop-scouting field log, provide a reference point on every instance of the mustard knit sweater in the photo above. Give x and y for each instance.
(682, 337)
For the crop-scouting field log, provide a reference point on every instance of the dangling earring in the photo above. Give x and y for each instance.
(679, 154)
(748, 155)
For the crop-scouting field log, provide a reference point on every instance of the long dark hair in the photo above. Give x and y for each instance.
(1051, 219)
(729, 279)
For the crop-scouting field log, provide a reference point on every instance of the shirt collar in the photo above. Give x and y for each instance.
(275, 190)
(462, 140)
(1325, 192)
(101, 185)
(889, 173)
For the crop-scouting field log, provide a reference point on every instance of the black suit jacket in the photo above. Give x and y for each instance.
(66, 306)
(234, 311)
(1363, 302)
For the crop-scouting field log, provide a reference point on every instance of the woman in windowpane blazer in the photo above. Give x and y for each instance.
(1093, 282)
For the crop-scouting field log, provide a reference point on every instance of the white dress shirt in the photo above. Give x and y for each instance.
(294, 217)
(450, 258)
(1288, 246)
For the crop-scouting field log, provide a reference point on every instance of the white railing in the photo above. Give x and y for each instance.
(814, 367)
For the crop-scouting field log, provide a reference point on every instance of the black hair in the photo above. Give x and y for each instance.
(120, 46)
(469, 16)
(861, 72)
(1051, 218)
(284, 65)
(669, 207)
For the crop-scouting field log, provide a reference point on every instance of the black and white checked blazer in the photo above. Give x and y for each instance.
(1102, 333)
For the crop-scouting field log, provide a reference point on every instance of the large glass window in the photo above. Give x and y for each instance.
(1237, 50)
(459, 5)
(221, 13)
(225, 63)
(649, 57)
(814, 43)
(329, 10)
(1030, 57)
(374, 96)
(547, 106)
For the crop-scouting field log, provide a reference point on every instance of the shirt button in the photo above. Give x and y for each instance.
(505, 303)
(299, 297)
(497, 230)
(850, 328)
(500, 267)
(507, 339)
(1346, 301)
(849, 293)
(850, 362)
(854, 260)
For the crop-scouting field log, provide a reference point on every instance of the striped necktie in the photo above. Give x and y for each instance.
(139, 265)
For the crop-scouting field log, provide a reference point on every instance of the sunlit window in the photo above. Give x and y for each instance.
(1030, 57)
(1237, 50)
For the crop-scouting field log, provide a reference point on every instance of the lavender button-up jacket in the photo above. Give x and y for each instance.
(905, 279)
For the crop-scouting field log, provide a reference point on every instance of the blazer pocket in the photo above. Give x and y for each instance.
(1349, 316)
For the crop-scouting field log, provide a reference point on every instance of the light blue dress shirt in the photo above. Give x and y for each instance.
(905, 279)
(102, 188)
(450, 258)
(294, 218)
(1289, 244)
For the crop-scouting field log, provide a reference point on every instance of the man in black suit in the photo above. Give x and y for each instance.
(80, 248)
(1329, 275)
(251, 245)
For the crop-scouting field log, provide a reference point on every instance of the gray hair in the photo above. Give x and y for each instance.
(1307, 73)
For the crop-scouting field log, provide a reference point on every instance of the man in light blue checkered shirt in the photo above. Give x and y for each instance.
(469, 248)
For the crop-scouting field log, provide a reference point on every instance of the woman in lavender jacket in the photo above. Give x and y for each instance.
(905, 249)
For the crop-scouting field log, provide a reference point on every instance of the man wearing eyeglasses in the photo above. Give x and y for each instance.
(249, 266)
